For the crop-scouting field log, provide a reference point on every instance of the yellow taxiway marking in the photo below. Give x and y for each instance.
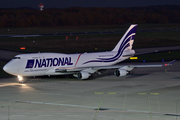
(149, 102)
(166, 70)
(149, 107)
(99, 107)
(101, 93)
(111, 93)
(142, 93)
(148, 93)
(154, 93)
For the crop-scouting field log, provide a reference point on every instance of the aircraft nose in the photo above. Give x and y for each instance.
(11, 68)
(8, 68)
(5, 68)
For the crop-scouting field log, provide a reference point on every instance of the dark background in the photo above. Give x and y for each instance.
(84, 3)
(78, 16)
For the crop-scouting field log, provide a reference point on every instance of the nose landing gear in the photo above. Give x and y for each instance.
(20, 78)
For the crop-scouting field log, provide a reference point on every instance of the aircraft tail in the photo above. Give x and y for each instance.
(127, 40)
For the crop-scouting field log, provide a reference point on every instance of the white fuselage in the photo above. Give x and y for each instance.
(38, 64)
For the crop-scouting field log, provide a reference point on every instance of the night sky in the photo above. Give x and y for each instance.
(84, 3)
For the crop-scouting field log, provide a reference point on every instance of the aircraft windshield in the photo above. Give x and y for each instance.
(16, 58)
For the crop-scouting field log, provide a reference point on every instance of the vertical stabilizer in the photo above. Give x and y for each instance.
(127, 40)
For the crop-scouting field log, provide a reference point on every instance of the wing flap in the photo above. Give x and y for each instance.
(126, 66)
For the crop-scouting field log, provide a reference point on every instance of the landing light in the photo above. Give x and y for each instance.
(20, 78)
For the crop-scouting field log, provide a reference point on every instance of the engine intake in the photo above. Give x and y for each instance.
(83, 75)
(120, 72)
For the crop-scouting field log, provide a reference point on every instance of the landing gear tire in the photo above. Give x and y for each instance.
(21, 82)
(71, 76)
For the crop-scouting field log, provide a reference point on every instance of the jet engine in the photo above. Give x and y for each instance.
(120, 72)
(83, 75)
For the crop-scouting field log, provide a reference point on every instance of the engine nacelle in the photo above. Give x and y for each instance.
(83, 75)
(120, 72)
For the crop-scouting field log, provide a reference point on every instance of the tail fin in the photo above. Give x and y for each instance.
(127, 40)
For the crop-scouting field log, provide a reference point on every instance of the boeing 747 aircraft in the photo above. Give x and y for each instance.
(79, 65)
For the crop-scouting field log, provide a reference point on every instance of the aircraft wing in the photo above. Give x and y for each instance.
(96, 68)
(130, 67)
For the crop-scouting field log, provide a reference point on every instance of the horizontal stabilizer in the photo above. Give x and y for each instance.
(130, 55)
(146, 52)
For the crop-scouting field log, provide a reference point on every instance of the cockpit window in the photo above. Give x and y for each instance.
(16, 58)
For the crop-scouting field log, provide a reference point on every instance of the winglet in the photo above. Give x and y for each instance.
(170, 63)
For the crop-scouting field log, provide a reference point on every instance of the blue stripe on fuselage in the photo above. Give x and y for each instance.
(110, 59)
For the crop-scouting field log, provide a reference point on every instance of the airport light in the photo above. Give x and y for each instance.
(41, 6)
(77, 38)
(22, 48)
(133, 58)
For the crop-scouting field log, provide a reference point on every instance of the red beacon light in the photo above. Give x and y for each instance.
(22, 48)
(66, 37)
(77, 38)
(41, 6)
